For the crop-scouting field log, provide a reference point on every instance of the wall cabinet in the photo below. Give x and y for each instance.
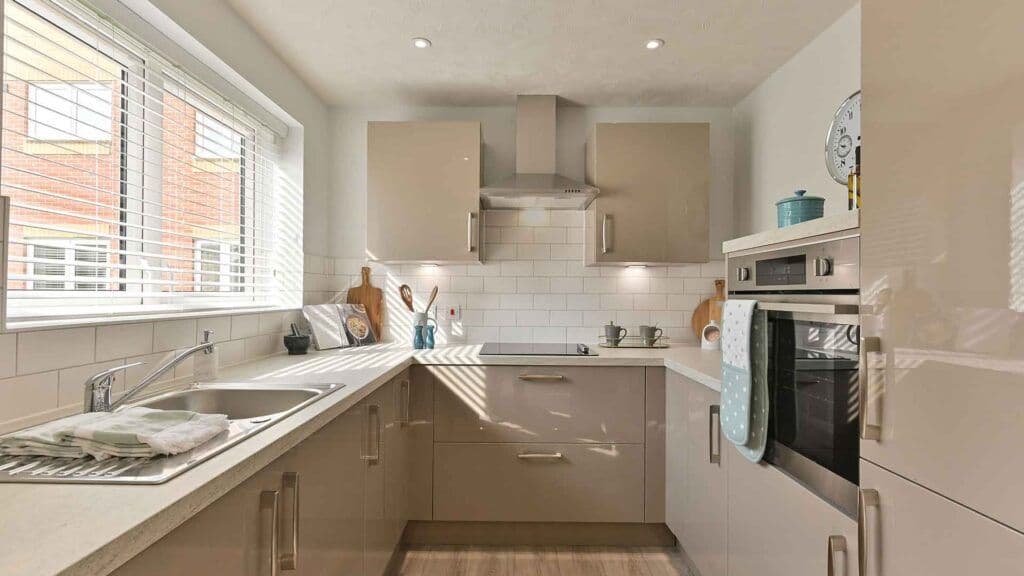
(653, 206)
(423, 191)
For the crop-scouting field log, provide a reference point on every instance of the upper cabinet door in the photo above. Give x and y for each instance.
(942, 247)
(653, 206)
(423, 191)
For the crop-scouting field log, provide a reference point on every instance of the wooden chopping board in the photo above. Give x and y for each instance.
(708, 310)
(371, 298)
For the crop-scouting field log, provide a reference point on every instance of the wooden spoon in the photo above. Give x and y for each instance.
(406, 293)
(433, 296)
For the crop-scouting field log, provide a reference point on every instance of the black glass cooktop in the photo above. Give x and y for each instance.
(540, 349)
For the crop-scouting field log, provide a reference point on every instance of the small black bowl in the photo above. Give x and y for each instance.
(296, 345)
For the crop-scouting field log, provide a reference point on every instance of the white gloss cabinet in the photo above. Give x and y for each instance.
(942, 239)
(654, 179)
(910, 530)
(423, 191)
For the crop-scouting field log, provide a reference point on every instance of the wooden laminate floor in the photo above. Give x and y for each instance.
(538, 561)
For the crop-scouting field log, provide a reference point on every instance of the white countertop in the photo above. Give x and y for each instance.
(826, 225)
(90, 529)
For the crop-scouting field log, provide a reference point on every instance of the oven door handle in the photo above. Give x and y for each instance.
(808, 308)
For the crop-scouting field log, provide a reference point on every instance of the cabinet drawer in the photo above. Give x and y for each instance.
(494, 482)
(539, 404)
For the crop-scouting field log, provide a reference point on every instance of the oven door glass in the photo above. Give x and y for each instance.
(812, 382)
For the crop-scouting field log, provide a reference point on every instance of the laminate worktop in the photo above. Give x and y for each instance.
(90, 529)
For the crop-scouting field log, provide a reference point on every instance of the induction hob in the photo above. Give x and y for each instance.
(540, 349)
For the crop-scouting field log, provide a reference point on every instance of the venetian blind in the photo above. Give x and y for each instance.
(134, 188)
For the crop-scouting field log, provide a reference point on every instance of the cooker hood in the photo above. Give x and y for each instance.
(535, 183)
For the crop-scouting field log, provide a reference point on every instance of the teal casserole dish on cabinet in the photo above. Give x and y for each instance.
(799, 208)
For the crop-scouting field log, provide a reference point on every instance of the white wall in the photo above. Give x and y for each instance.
(347, 237)
(780, 127)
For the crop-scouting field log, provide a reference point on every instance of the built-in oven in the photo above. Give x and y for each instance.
(809, 297)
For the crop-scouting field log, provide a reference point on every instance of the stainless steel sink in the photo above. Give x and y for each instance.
(241, 403)
(250, 408)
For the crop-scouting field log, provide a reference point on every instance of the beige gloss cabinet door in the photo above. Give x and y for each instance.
(538, 404)
(378, 411)
(230, 536)
(779, 528)
(705, 480)
(914, 531)
(653, 206)
(423, 191)
(941, 248)
(539, 482)
(331, 486)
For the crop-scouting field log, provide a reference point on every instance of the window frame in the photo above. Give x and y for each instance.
(69, 262)
(141, 133)
(76, 131)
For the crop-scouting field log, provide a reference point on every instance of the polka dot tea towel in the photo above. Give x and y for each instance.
(737, 316)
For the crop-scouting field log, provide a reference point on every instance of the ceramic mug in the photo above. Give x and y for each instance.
(650, 335)
(614, 334)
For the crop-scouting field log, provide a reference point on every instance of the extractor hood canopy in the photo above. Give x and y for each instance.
(535, 183)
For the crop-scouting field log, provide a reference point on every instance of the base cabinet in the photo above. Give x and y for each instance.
(779, 528)
(696, 476)
(339, 498)
(912, 530)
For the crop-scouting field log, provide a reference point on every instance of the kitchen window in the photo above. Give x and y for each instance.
(120, 166)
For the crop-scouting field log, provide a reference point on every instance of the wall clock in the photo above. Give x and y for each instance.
(843, 138)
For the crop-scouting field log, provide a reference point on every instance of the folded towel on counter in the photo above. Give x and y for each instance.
(132, 433)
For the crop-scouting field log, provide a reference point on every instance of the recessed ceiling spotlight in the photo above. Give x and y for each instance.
(655, 43)
(421, 42)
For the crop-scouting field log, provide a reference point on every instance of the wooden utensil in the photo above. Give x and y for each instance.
(406, 293)
(710, 309)
(371, 298)
(430, 302)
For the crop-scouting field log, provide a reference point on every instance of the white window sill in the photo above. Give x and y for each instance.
(15, 325)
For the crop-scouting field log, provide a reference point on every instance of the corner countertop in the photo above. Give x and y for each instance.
(91, 529)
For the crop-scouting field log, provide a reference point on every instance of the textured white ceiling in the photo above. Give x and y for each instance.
(590, 52)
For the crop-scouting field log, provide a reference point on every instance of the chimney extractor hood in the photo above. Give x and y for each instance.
(535, 183)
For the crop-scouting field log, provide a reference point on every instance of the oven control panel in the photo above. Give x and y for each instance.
(825, 266)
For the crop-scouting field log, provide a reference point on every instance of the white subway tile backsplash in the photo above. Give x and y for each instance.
(27, 395)
(549, 301)
(567, 252)
(632, 318)
(650, 301)
(516, 301)
(533, 251)
(685, 271)
(506, 218)
(499, 318)
(684, 301)
(71, 381)
(532, 317)
(220, 325)
(566, 318)
(634, 284)
(567, 285)
(120, 340)
(488, 269)
(482, 333)
(509, 334)
(699, 285)
(499, 284)
(574, 236)
(567, 218)
(173, 334)
(533, 218)
(549, 235)
(616, 301)
(484, 301)
(548, 268)
(517, 268)
(713, 269)
(533, 285)
(8, 354)
(500, 251)
(55, 349)
(601, 285)
(667, 285)
(465, 284)
(582, 302)
(519, 235)
(549, 334)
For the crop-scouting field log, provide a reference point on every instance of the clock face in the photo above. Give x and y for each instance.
(843, 139)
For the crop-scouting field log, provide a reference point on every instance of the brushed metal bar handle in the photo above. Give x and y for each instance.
(290, 557)
(269, 506)
(402, 400)
(604, 234)
(539, 456)
(372, 431)
(836, 545)
(868, 431)
(469, 232)
(866, 498)
(542, 377)
(714, 413)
